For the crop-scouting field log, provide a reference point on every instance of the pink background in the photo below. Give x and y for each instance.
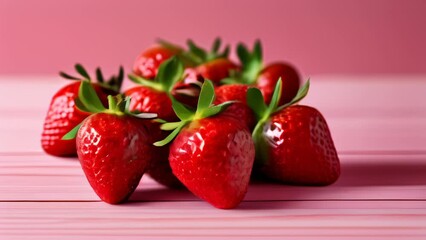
(337, 37)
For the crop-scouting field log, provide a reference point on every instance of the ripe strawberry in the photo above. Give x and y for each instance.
(216, 69)
(212, 155)
(239, 109)
(213, 65)
(149, 61)
(62, 115)
(265, 78)
(293, 142)
(114, 146)
(269, 76)
(154, 96)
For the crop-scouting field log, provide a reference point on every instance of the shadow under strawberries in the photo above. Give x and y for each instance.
(162, 194)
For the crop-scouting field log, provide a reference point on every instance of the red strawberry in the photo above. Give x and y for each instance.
(216, 69)
(160, 169)
(301, 148)
(154, 96)
(114, 147)
(211, 155)
(293, 143)
(265, 78)
(213, 65)
(147, 99)
(239, 109)
(269, 76)
(148, 62)
(62, 115)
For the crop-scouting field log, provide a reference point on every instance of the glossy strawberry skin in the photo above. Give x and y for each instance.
(62, 117)
(239, 110)
(269, 76)
(216, 70)
(213, 158)
(149, 100)
(114, 152)
(300, 148)
(148, 62)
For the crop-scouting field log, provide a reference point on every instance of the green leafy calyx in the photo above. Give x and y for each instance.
(196, 55)
(88, 101)
(251, 64)
(263, 112)
(205, 109)
(114, 82)
(169, 72)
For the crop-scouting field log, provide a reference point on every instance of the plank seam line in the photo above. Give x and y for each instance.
(345, 152)
(248, 201)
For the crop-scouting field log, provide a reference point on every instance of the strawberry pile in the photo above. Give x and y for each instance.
(195, 119)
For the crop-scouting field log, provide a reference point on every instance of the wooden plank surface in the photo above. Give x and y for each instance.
(379, 127)
(186, 219)
(364, 177)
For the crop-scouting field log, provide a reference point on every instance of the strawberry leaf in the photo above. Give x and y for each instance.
(256, 102)
(181, 111)
(204, 110)
(159, 120)
(214, 52)
(169, 138)
(213, 110)
(301, 93)
(216, 45)
(252, 62)
(82, 71)
(275, 97)
(257, 51)
(243, 54)
(225, 52)
(187, 58)
(99, 75)
(206, 97)
(80, 106)
(72, 134)
(89, 99)
(145, 82)
(169, 72)
(170, 126)
(67, 76)
(118, 80)
(197, 51)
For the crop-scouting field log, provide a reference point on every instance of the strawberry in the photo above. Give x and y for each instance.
(212, 154)
(265, 78)
(62, 115)
(213, 65)
(269, 76)
(149, 61)
(216, 69)
(154, 96)
(114, 146)
(239, 109)
(293, 142)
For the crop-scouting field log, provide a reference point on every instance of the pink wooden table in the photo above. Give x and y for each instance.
(379, 127)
